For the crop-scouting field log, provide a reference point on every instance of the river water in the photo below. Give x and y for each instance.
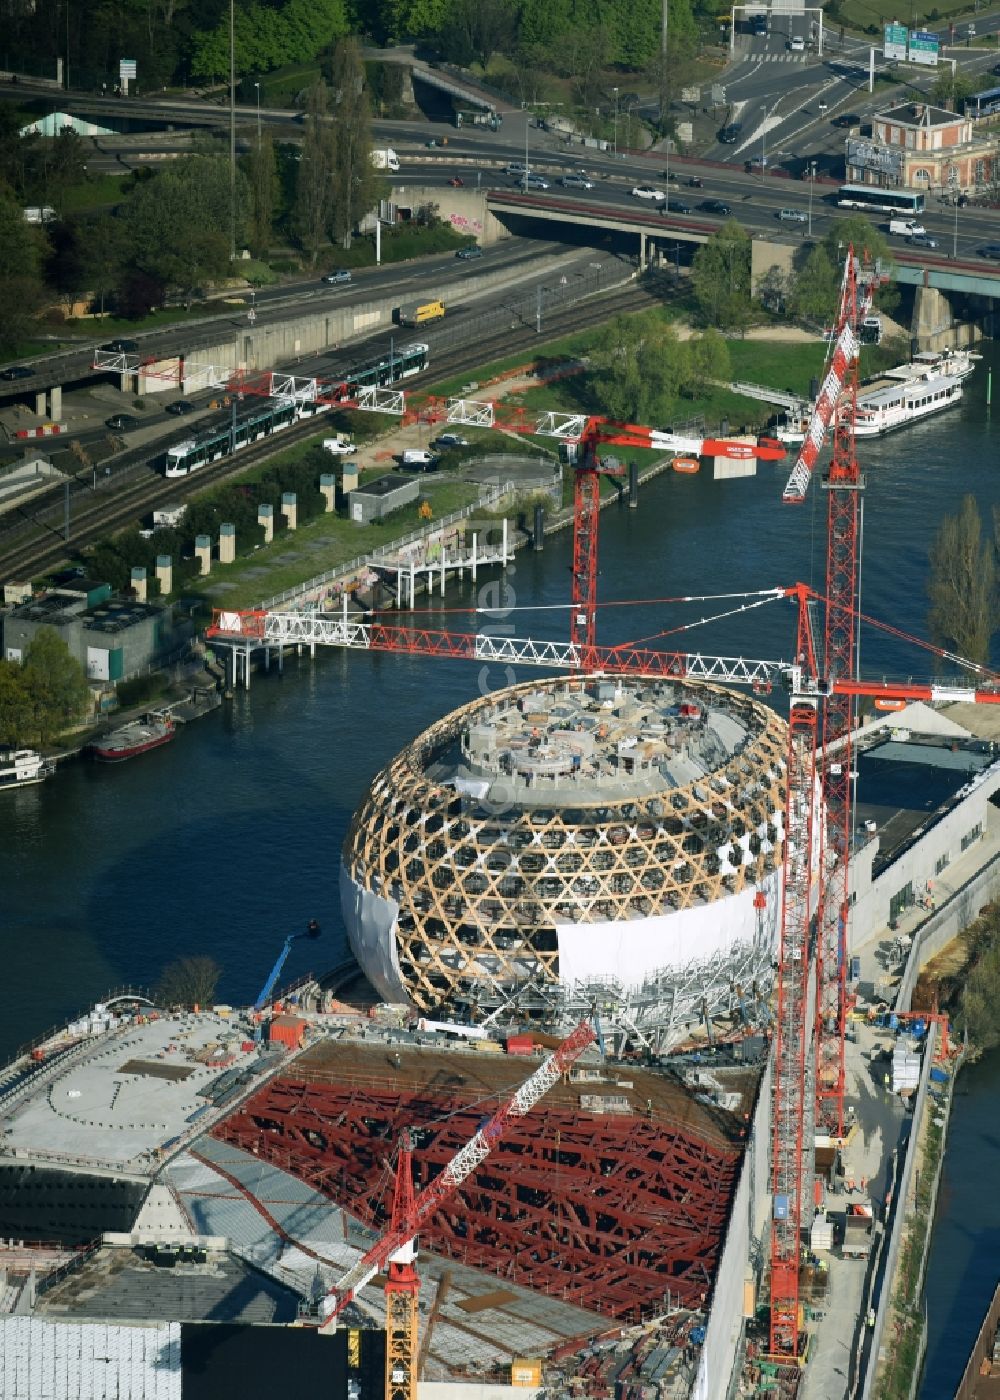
(229, 838)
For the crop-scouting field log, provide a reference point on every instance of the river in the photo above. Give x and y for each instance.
(229, 838)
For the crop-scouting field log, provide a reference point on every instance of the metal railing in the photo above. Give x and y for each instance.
(488, 498)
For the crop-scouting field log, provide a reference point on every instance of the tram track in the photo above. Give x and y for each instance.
(33, 540)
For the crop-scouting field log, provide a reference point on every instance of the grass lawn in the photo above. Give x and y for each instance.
(97, 191)
(789, 367)
(156, 320)
(857, 14)
(321, 544)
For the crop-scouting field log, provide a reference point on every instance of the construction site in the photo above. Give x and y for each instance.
(619, 1095)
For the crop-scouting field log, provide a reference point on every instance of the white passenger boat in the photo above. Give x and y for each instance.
(930, 383)
(22, 767)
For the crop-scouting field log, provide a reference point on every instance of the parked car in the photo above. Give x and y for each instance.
(676, 206)
(180, 407)
(797, 44)
(445, 440)
(647, 192)
(16, 372)
(729, 135)
(472, 251)
(716, 206)
(121, 422)
(456, 182)
(923, 240)
(339, 274)
(121, 347)
(989, 250)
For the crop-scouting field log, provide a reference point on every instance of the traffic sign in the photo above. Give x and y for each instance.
(894, 41)
(126, 69)
(923, 47)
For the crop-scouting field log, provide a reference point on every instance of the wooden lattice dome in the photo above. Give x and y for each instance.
(561, 802)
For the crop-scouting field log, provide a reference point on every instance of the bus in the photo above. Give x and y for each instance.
(874, 200)
(983, 104)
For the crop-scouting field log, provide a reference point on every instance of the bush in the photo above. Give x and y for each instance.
(258, 274)
(138, 691)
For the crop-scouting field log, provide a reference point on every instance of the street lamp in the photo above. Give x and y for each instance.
(257, 86)
(615, 91)
(953, 186)
(812, 181)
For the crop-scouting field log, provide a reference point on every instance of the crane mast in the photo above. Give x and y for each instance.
(396, 1248)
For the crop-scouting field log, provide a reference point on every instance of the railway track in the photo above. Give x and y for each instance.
(33, 540)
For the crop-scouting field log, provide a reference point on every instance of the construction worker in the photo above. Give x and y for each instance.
(870, 1319)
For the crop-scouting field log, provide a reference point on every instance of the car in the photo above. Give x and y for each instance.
(180, 407)
(901, 227)
(797, 44)
(121, 422)
(758, 25)
(577, 182)
(793, 216)
(989, 250)
(716, 206)
(121, 347)
(456, 182)
(419, 459)
(515, 167)
(445, 440)
(339, 274)
(729, 135)
(16, 372)
(676, 206)
(923, 240)
(647, 192)
(472, 251)
(534, 182)
(694, 182)
(846, 119)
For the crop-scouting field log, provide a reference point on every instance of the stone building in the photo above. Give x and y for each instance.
(919, 147)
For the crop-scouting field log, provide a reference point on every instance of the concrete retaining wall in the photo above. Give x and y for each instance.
(946, 923)
(332, 326)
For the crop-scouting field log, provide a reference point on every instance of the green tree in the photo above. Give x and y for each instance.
(962, 586)
(16, 712)
(860, 233)
(103, 256)
(356, 186)
(640, 369)
(951, 88)
(179, 225)
(816, 289)
(708, 361)
(314, 185)
(56, 684)
(22, 293)
(188, 982)
(474, 30)
(262, 178)
(720, 277)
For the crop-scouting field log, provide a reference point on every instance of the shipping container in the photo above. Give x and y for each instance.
(520, 1045)
(287, 1030)
(525, 1372)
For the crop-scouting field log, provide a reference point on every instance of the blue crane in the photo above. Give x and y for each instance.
(310, 931)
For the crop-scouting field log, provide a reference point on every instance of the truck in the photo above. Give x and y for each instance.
(339, 446)
(385, 158)
(467, 116)
(418, 313)
(857, 1232)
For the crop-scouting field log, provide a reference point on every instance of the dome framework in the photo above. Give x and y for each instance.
(575, 842)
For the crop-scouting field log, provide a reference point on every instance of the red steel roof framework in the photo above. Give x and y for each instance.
(608, 1212)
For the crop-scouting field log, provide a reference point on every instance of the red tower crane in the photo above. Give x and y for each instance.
(396, 1249)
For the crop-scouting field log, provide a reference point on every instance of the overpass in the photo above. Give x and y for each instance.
(934, 276)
